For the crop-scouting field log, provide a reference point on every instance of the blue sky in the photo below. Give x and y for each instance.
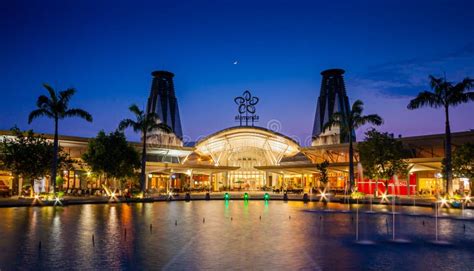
(107, 50)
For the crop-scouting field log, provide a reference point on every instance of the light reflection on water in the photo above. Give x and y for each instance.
(291, 235)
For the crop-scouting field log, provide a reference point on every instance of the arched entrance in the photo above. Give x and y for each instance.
(246, 148)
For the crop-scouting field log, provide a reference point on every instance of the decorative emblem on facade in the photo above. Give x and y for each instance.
(246, 108)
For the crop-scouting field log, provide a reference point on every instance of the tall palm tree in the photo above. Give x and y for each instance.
(347, 125)
(445, 95)
(143, 124)
(56, 107)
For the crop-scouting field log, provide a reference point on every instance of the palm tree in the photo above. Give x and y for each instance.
(347, 125)
(144, 124)
(56, 107)
(445, 95)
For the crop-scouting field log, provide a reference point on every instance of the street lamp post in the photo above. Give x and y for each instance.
(438, 176)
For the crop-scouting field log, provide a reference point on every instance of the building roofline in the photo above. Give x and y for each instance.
(403, 139)
(246, 127)
(335, 71)
(434, 136)
(50, 136)
(80, 139)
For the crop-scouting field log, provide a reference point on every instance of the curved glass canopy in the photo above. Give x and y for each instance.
(246, 148)
(231, 144)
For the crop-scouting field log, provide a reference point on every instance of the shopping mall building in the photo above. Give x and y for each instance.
(248, 157)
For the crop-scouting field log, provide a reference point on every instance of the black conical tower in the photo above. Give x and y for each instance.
(332, 98)
(163, 102)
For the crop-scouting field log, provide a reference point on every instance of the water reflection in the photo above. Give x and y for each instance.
(261, 235)
(226, 209)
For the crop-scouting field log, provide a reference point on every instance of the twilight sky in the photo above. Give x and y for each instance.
(107, 49)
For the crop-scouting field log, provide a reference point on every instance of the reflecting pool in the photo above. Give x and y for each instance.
(253, 235)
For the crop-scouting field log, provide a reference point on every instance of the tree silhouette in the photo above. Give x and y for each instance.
(348, 125)
(111, 155)
(445, 95)
(143, 123)
(382, 157)
(56, 107)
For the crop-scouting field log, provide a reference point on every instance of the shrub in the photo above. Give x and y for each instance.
(357, 195)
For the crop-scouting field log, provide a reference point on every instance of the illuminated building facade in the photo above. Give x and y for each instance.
(251, 158)
(254, 159)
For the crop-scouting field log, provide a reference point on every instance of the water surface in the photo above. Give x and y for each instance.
(241, 235)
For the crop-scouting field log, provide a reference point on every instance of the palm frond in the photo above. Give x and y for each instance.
(153, 122)
(124, 124)
(65, 95)
(372, 119)
(358, 106)
(165, 128)
(159, 126)
(153, 117)
(356, 110)
(457, 94)
(467, 83)
(334, 120)
(52, 93)
(136, 110)
(435, 82)
(457, 98)
(470, 96)
(43, 102)
(426, 98)
(39, 113)
(463, 86)
(75, 112)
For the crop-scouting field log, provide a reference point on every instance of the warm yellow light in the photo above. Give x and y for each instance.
(323, 195)
(150, 175)
(444, 202)
(112, 195)
(465, 181)
(384, 197)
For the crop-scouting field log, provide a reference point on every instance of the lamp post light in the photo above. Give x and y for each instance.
(438, 176)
